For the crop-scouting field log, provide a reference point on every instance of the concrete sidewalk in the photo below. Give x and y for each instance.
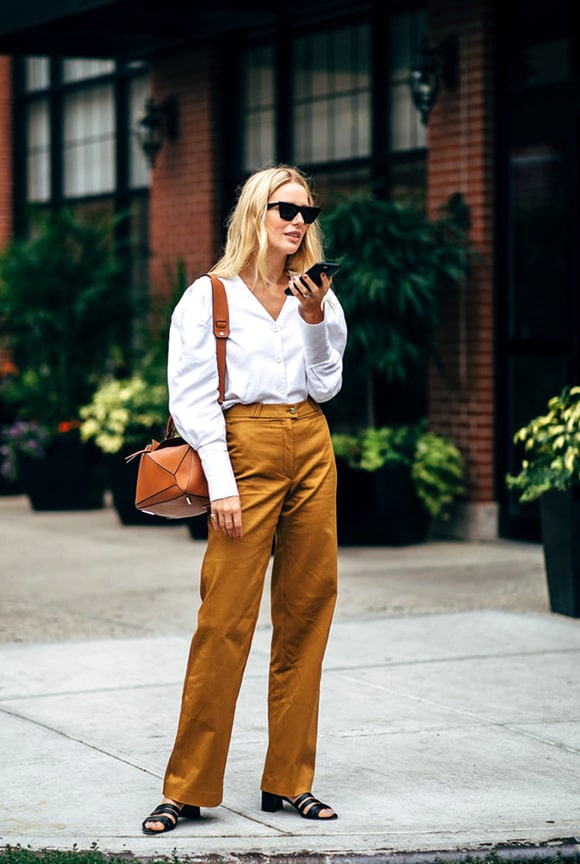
(451, 729)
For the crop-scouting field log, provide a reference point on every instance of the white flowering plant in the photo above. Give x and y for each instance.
(551, 449)
(122, 413)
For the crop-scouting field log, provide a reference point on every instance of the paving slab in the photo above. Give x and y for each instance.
(450, 710)
(453, 731)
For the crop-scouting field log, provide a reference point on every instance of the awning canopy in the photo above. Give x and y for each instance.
(132, 28)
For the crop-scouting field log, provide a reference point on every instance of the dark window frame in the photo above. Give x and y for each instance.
(58, 89)
(122, 199)
(380, 159)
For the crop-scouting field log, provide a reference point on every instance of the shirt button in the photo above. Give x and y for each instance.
(275, 329)
(278, 359)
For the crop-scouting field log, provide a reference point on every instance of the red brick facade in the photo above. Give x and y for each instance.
(183, 191)
(461, 159)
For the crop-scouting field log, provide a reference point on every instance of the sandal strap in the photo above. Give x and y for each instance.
(164, 809)
(316, 806)
(166, 821)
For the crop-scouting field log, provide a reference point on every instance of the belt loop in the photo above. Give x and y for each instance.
(256, 409)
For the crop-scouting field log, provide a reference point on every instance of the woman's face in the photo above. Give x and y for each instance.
(286, 237)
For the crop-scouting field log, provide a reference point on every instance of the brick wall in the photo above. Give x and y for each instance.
(183, 192)
(5, 151)
(461, 159)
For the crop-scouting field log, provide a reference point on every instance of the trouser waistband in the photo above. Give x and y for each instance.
(275, 412)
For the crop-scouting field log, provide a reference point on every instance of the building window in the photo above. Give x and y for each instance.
(70, 112)
(37, 73)
(75, 147)
(325, 122)
(89, 142)
(38, 151)
(258, 107)
(545, 51)
(406, 33)
(331, 95)
(138, 167)
(81, 70)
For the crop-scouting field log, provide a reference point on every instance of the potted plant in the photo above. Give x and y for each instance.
(550, 472)
(8, 478)
(54, 468)
(62, 315)
(406, 476)
(396, 266)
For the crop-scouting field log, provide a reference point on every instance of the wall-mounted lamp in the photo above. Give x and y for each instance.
(430, 67)
(157, 123)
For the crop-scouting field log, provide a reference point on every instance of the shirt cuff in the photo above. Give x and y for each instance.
(316, 344)
(218, 471)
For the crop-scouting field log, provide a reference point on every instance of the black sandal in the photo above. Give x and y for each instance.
(163, 814)
(306, 804)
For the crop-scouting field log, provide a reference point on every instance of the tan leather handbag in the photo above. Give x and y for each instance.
(170, 478)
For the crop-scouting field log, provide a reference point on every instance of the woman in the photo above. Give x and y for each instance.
(268, 458)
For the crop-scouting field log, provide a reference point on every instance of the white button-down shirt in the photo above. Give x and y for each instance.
(271, 361)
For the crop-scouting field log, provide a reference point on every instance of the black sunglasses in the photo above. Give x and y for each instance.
(288, 211)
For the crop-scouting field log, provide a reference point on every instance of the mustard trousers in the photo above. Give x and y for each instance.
(284, 465)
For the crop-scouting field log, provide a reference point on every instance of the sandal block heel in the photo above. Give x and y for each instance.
(271, 803)
(190, 811)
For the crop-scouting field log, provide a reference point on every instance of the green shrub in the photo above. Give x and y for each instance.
(551, 444)
(64, 312)
(435, 463)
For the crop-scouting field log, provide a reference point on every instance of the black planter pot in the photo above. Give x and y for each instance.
(560, 519)
(9, 487)
(122, 481)
(379, 508)
(70, 476)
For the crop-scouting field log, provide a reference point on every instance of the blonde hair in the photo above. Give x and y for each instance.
(247, 239)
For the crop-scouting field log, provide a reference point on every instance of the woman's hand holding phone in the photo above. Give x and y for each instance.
(311, 288)
(314, 273)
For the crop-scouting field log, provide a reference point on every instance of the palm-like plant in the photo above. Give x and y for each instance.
(62, 311)
(396, 266)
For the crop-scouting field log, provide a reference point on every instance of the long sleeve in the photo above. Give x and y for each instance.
(324, 346)
(193, 387)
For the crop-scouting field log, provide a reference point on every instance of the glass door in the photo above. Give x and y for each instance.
(538, 257)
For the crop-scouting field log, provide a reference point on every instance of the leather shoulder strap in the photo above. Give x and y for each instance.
(221, 329)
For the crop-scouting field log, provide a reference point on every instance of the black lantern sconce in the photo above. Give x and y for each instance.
(431, 66)
(157, 123)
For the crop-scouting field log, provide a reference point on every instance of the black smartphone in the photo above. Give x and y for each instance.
(314, 272)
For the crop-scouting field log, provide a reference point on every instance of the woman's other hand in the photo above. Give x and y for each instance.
(226, 516)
